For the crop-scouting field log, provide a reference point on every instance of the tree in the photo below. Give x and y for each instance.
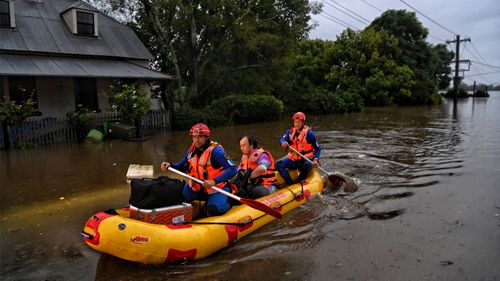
(365, 65)
(442, 58)
(312, 62)
(132, 102)
(429, 64)
(220, 47)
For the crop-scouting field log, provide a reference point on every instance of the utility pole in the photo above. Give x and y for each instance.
(456, 79)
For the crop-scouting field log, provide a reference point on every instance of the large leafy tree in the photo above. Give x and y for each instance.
(365, 65)
(429, 64)
(219, 47)
(312, 63)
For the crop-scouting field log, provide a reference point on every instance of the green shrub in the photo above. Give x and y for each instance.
(130, 100)
(332, 102)
(12, 113)
(235, 109)
(80, 118)
(240, 109)
(461, 93)
(185, 117)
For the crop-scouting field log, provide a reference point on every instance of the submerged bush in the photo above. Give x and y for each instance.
(461, 93)
(332, 102)
(235, 109)
(239, 109)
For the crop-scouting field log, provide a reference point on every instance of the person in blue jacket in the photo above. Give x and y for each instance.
(206, 160)
(301, 138)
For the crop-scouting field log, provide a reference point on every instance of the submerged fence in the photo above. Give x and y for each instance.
(47, 130)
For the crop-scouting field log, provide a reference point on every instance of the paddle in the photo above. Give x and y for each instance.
(336, 178)
(252, 203)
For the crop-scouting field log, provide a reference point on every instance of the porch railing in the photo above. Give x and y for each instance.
(47, 130)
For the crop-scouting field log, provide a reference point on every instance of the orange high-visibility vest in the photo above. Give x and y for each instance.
(201, 168)
(300, 144)
(250, 162)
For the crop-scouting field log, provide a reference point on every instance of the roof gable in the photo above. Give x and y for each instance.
(40, 28)
(81, 6)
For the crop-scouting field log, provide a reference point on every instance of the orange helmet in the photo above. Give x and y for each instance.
(199, 129)
(299, 116)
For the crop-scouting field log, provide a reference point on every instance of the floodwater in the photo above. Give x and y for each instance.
(428, 207)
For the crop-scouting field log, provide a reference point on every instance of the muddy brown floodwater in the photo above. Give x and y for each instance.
(428, 207)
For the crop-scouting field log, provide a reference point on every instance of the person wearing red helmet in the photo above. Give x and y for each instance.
(206, 160)
(302, 138)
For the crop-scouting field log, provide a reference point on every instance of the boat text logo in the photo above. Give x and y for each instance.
(140, 239)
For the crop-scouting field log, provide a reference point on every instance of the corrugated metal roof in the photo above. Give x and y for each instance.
(23, 65)
(40, 27)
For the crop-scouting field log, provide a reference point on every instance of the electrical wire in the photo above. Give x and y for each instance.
(485, 73)
(479, 54)
(339, 21)
(435, 22)
(343, 12)
(366, 21)
(485, 64)
(371, 6)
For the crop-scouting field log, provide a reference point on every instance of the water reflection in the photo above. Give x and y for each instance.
(398, 153)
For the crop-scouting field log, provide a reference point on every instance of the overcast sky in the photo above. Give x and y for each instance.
(478, 20)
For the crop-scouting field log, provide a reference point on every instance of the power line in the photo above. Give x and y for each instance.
(329, 26)
(371, 6)
(474, 47)
(452, 32)
(343, 12)
(485, 64)
(380, 10)
(339, 21)
(470, 52)
(485, 73)
(488, 80)
(352, 12)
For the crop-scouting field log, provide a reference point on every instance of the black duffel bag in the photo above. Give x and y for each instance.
(155, 193)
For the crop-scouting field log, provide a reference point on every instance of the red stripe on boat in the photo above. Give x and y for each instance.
(178, 226)
(232, 234)
(177, 255)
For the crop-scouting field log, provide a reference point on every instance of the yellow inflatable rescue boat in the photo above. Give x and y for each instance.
(168, 235)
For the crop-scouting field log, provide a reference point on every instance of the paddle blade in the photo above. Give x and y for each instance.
(261, 207)
(338, 180)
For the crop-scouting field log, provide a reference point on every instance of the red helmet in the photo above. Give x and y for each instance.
(299, 116)
(199, 129)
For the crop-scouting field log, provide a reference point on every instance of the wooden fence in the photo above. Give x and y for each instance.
(47, 130)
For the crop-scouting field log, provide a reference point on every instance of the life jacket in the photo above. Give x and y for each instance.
(250, 162)
(300, 143)
(202, 169)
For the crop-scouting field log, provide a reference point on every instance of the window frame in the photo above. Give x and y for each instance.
(80, 26)
(22, 88)
(86, 93)
(5, 15)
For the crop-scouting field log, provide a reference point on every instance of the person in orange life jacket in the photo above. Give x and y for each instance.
(206, 160)
(261, 164)
(303, 139)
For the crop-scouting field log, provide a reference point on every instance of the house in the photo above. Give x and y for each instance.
(65, 53)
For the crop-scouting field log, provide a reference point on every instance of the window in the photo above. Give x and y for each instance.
(23, 88)
(86, 93)
(85, 23)
(4, 13)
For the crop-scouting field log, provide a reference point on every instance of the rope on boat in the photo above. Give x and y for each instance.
(295, 196)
